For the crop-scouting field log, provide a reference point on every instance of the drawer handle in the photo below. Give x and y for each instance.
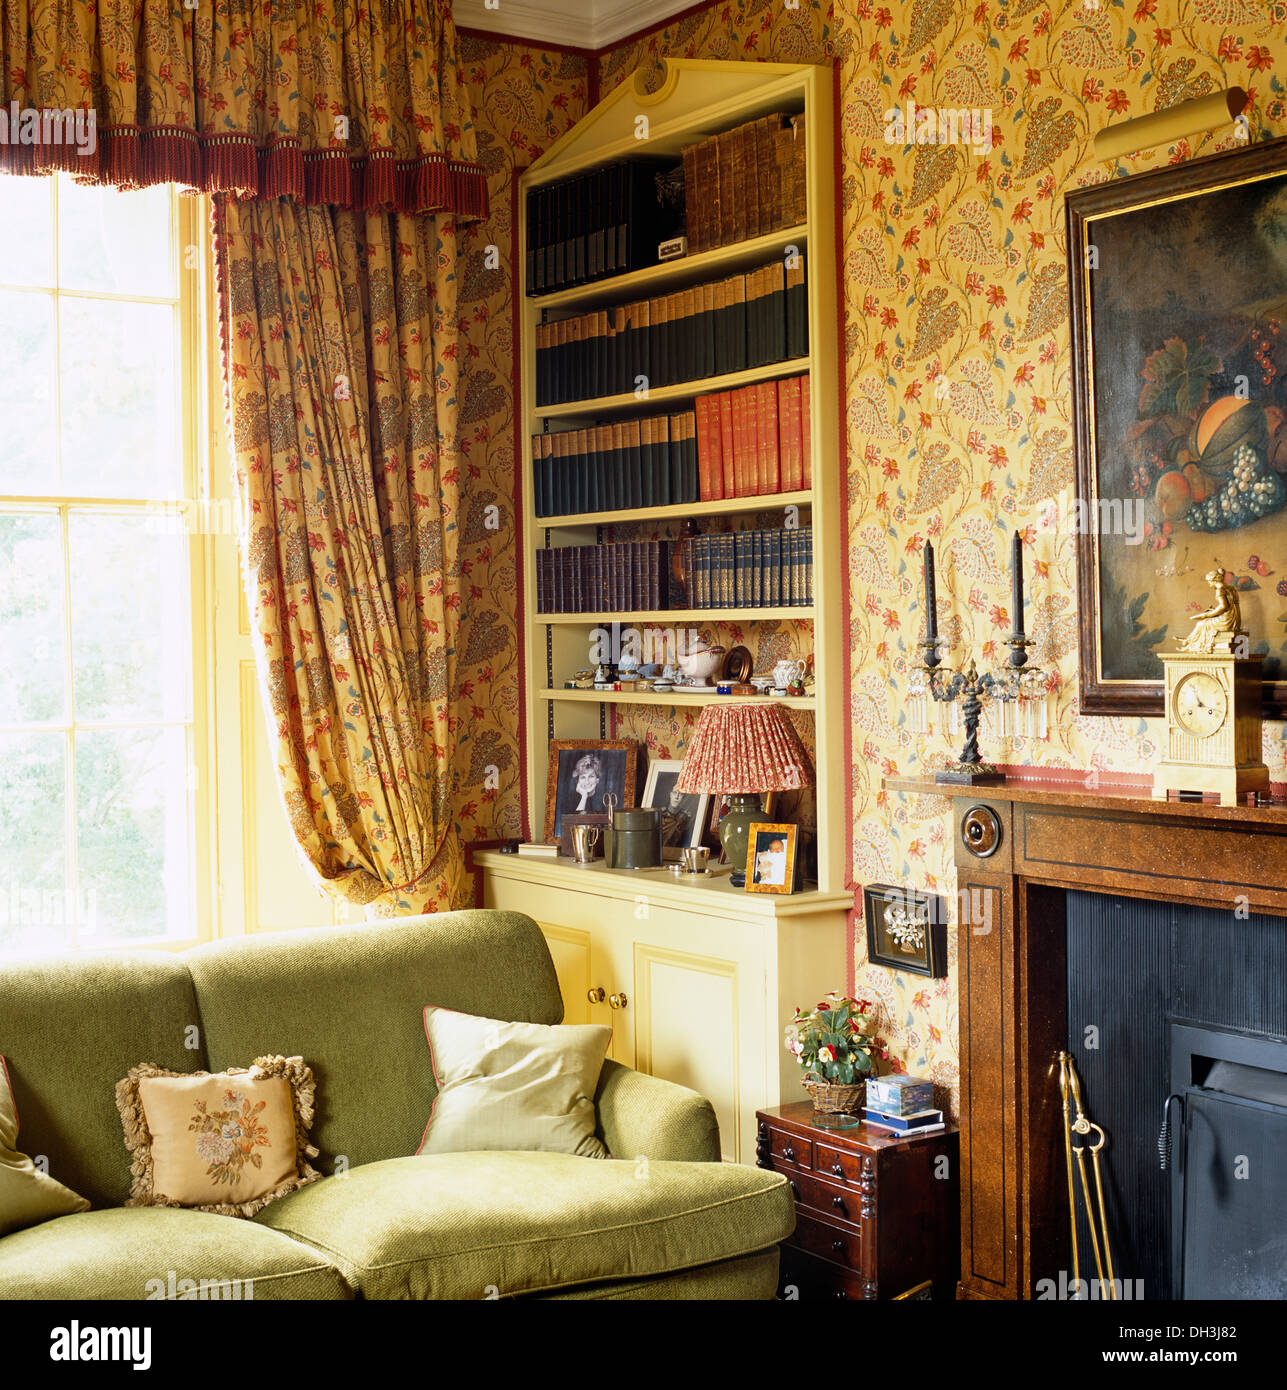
(837, 1245)
(838, 1203)
(795, 1191)
(790, 1154)
(840, 1293)
(837, 1170)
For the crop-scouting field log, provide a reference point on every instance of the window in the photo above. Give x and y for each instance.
(102, 750)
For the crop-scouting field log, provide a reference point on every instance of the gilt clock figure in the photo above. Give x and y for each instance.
(1213, 701)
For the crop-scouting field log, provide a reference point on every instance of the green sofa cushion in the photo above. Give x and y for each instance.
(466, 1225)
(752, 1279)
(71, 1026)
(113, 1254)
(350, 1002)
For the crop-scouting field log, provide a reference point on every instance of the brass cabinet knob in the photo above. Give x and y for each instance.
(617, 1001)
(596, 996)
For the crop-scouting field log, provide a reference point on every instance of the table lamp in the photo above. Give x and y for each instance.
(742, 751)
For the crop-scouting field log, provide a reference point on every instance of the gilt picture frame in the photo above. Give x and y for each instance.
(1178, 302)
(582, 771)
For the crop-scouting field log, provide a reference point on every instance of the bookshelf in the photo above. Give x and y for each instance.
(675, 953)
(696, 99)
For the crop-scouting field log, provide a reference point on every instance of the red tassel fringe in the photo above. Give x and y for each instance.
(128, 157)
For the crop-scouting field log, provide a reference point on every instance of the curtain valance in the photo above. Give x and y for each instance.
(359, 105)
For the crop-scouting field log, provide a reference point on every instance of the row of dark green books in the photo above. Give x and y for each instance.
(628, 463)
(619, 577)
(732, 325)
(604, 222)
(750, 569)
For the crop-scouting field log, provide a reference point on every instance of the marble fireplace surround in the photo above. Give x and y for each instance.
(1050, 838)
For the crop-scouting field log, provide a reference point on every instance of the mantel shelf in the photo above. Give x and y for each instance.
(1126, 800)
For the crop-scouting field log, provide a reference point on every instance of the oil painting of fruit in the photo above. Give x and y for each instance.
(1178, 283)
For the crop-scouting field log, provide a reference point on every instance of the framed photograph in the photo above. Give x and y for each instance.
(1179, 365)
(906, 930)
(683, 814)
(770, 858)
(582, 772)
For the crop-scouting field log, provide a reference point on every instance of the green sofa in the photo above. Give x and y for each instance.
(662, 1219)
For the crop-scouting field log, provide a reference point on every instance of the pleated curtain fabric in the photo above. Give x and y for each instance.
(341, 366)
(322, 101)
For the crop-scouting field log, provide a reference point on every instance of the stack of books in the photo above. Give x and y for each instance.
(750, 569)
(902, 1105)
(604, 222)
(754, 441)
(745, 182)
(629, 463)
(751, 319)
(620, 577)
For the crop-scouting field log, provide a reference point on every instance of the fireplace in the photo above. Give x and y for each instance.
(1161, 925)
(1172, 1002)
(1224, 1138)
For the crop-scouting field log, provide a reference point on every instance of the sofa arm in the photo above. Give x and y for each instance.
(641, 1116)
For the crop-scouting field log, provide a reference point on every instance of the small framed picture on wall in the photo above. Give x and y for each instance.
(906, 930)
(683, 814)
(771, 858)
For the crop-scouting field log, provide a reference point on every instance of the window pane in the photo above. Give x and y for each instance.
(35, 914)
(26, 238)
(113, 241)
(118, 376)
(29, 439)
(32, 678)
(129, 597)
(133, 837)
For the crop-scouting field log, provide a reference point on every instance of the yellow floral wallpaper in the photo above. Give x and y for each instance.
(956, 356)
(524, 98)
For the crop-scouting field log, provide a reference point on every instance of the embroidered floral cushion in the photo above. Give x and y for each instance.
(227, 1142)
(513, 1085)
(27, 1196)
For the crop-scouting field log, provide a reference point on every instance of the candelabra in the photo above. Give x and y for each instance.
(1015, 681)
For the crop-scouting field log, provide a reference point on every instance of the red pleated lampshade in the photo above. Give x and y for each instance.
(745, 748)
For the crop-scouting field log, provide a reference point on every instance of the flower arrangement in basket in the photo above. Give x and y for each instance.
(837, 1049)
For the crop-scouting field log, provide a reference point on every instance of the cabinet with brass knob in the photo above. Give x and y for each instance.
(877, 1215)
(695, 978)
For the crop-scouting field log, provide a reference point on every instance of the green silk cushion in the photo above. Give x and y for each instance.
(513, 1085)
(131, 1253)
(478, 1225)
(27, 1196)
(351, 1000)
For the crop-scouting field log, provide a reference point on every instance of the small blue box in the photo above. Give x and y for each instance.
(900, 1095)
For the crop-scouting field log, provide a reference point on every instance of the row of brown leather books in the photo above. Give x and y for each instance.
(619, 577)
(745, 182)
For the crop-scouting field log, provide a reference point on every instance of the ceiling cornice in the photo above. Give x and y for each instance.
(591, 24)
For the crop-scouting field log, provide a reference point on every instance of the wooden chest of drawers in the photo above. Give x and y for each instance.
(876, 1216)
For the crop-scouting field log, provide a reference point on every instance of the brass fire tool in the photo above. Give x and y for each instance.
(1096, 1213)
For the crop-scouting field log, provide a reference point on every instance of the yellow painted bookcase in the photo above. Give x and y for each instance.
(696, 977)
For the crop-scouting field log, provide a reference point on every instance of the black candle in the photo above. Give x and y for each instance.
(1016, 583)
(931, 598)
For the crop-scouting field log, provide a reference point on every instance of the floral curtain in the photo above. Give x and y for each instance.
(340, 344)
(324, 101)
